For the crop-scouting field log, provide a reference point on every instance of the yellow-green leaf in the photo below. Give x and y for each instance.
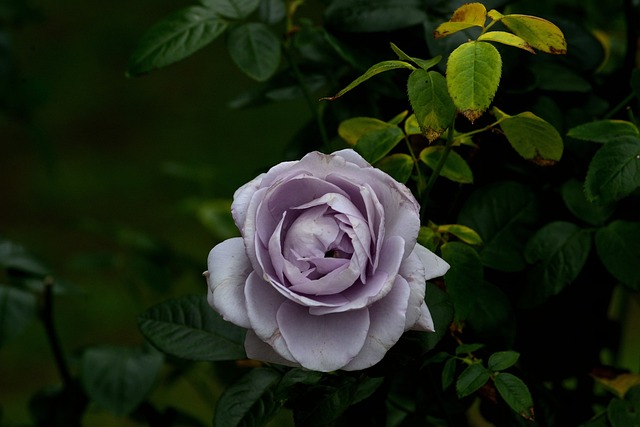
(411, 126)
(473, 76)
(532, 137)
(506, 38)
(466, 16)
(425, 64)
(431, 102)
(351, 130)
(604, 130)
(398, 165)
(538, 32)
(462, 232)
(455, 167)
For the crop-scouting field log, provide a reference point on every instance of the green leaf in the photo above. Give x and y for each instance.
(187, 327)
(624, 412)
(614, 171)
(431, 103)
(468, 348)
(473, 76)
(429, 238)
(455, 167)
(471, 379)
(375, 69)
(250, 401)
(502, 360)
(576, 201)
(466, 16)
(559, 251)
(516, 393)
(17, 257)
(215, 215)
(604, 130)
(351, 130)
(492, 314)
(119, 378)
(618, 246)
(532, 137)
(556, 77)
(374, 15)
(503, 214)
(441, 309)
(425, 64)
(234, 9)
(327, 403)
(463, 277)
(448, 373)
(411, 126)
(17, 310)
(462, 232)
(373, 138)
(538, 32)
(174, 38)
(272, 11)
(507, 39)
(255, 49)
(398, 165)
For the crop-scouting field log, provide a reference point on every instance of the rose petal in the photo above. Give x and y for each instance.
(241, 199)
(433, 264)
(323, 343)
(425, 321)
(387, 325)
(263, 302)
(229, 268)
(353, 157)
(259, 350)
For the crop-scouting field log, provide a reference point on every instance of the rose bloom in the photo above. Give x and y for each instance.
(327, 274)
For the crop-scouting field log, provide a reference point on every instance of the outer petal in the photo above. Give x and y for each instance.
(323, 343)
(263, 302)
(229, 268)
(433, 264)
(425, 321)
(387, 325)
(353, 157)
(242, 198)
(259, 350)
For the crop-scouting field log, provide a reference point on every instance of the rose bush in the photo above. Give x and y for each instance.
(327, 274)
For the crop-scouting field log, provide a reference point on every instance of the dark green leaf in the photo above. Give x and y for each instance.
(187, 327)
(455, 166)
(272, 11)
(463, 277)
(374, 15)
(431, 102)
(502, 360)
(635, 82)
(471, 379)
(614, 171)
(516, 393)
(577, 203)
(235, 9)
(492, 314)
(503, 214)
(618, 246)
(625, 413)
(250, 401)
(325, 404)
(398, 165)
(468, 348)
(373, 146)
(298, 376)
(441, 309)
(559, 251)
(59, 405)
(16, 257)
(119, 378)
(17, 310)
(175, 38)
(366, 387)
(603, 130)
(448, 373)
(255, 49)
(554, 77)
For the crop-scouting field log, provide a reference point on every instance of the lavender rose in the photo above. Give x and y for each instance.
(327, 274)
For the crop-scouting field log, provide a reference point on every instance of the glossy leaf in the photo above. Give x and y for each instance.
(250, 401)
(187, 327)
(119, 378)
(538, 32)
(235, 9)
(466, 16)
(372, 71)
(614, 171)
(175, 38)
(255, 49)
(17, 310)
(516, 393)
(434, 110)
(532, 137)
(424, 64)
(508, 39)
(618, 246)
(455, 167)
(604, 130)
(473, 76)
(502, 360)
(462, 232)
(502, 213)
(576, 201)
(398, 165)
(463, 278)
(471, 379)
(374, 15)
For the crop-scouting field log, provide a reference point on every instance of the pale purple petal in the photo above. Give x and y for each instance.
(433, 264)
(387, 325)
(425, 321)
(259, 350)
(323, 343)
(241, 199)
(352, 157)
(229, 268)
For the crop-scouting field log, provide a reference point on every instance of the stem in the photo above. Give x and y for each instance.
(619, 107)
(46, 315)
(417, 167)
(436, 172)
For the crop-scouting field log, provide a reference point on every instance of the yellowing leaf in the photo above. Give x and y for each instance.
(462, 232)
(473, 76)
(538, 32)
(431, 102)
(618, 384)
(466, 16)
(506, 38)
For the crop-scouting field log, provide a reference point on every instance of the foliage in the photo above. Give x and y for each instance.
(517, 134)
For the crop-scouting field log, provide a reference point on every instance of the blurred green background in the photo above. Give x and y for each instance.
(93, 162)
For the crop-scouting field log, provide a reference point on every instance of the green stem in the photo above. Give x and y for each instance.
(46, 315)
(417, 167)
(436, 171)
(620, 106)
